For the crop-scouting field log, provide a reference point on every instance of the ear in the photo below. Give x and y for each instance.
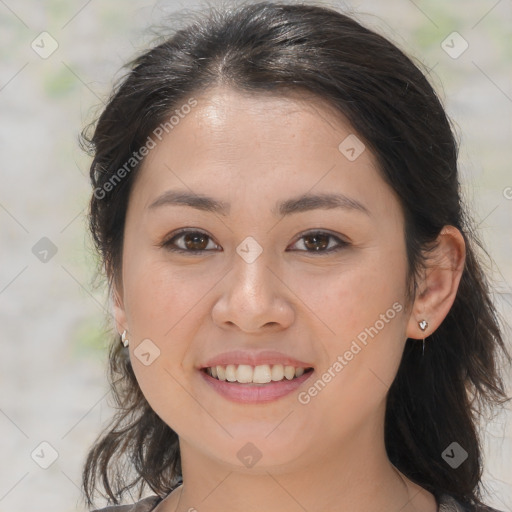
(119, 311)
(438, 287)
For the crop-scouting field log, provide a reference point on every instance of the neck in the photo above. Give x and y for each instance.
(356, 476)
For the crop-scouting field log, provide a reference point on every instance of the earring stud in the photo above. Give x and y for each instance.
(124, 339)
(423, 326)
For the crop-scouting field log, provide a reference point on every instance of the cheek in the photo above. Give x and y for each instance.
(361, 359)
(155, 295)
(364, 311)
(157, 303)
(163, 303)
(354, 298)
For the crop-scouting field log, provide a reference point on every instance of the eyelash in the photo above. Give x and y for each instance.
(169, 243)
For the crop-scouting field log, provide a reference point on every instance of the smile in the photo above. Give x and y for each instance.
(261, 374)
(255, 385)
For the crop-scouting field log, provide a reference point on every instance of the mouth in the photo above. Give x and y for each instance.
(255, 384)
(255, 375)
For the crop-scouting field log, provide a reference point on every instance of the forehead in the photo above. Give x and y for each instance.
(228, 116)
(255, 144)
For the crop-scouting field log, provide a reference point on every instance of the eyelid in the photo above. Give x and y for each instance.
(166, 243)
(341, 241)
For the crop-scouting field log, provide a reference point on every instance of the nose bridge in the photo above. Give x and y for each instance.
(251, 298)
(251, 275)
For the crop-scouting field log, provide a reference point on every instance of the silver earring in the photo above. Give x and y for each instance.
(423, 326)
(124, 339)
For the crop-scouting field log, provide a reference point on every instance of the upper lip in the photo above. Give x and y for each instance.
(269, 357)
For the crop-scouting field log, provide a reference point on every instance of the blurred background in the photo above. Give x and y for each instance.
(58, 63)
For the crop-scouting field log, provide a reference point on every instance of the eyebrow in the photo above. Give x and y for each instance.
(303, 203)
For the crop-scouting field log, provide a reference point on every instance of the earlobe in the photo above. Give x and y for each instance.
(439, 284)
(118, 311)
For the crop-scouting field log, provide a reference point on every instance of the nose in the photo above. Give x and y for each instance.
(254, 297)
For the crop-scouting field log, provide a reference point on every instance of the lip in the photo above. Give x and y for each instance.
(269, 357)
(255, 393)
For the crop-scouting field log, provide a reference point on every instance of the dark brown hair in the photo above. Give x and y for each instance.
(279, 48)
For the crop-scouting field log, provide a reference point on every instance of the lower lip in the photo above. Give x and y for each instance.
(255, 393)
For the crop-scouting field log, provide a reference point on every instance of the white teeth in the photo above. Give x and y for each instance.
(261, 374)
(221, 373)
(277, 372)
(244, 373)
(289, 372)
(231, 372)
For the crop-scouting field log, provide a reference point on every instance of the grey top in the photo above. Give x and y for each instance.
(446, 504)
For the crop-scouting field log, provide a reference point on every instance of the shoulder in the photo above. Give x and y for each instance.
(448, 503)
(145, 505)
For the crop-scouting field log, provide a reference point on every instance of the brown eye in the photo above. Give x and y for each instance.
(318, 241)
(196, 242)
(188, 241)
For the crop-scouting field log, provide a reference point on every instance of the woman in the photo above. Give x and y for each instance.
(304, 323)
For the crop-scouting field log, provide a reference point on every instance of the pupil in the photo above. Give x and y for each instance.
(194, 237)
(315, 239)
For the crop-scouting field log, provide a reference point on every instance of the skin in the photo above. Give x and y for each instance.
(251, 151)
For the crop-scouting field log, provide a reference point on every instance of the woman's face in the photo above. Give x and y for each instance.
(282, 275)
